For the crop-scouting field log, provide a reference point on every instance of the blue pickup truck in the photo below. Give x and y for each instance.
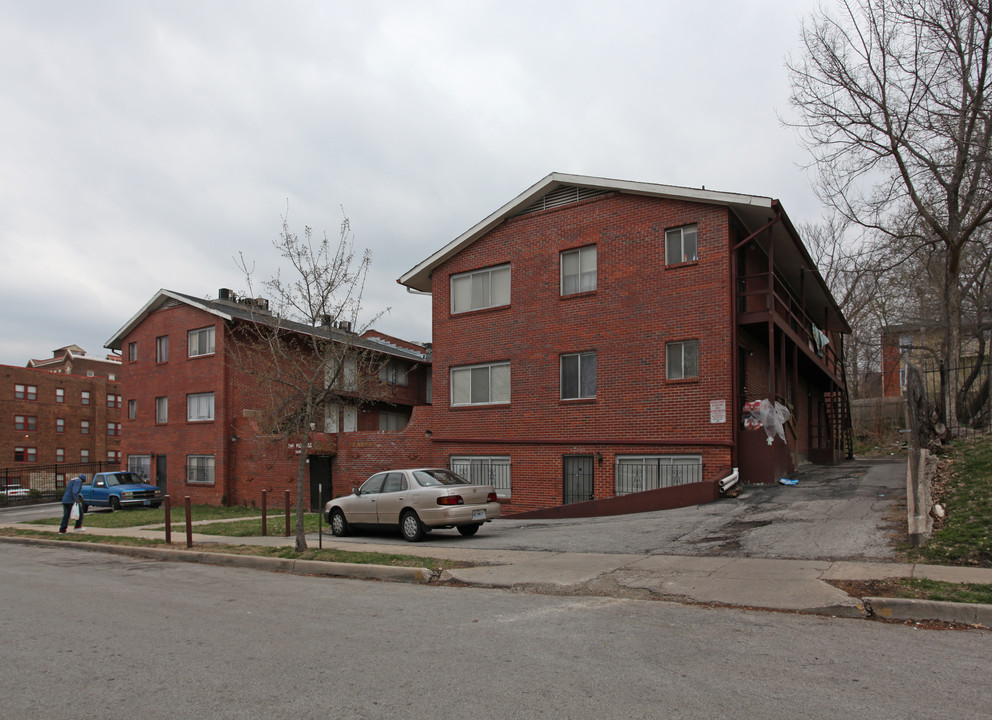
(119, 489)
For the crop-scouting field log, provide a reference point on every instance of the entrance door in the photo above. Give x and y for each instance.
(320, 479)
(578, 479)
(160, 473)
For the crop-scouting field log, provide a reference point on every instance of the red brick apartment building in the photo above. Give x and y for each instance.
(595, 338)
(189, 409)
(58, 416)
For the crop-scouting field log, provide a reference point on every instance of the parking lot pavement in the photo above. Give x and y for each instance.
(855, 510)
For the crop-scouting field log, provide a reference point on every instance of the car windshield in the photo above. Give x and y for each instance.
(123, 479)
(433, 478)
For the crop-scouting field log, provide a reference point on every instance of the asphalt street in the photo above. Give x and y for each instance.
(94, 635)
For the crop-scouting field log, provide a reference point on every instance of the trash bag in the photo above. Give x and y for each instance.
(74, 513)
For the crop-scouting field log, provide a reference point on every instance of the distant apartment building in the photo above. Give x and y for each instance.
(58, 414)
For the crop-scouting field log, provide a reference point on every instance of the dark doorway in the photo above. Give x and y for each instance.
(160, 473)
(578, 485)
(320, 481)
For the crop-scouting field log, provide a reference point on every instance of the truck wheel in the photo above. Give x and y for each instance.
(115, 503)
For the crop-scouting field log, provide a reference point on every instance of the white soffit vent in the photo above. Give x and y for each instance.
(562, 196)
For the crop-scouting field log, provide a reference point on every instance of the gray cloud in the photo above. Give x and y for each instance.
(146, 144)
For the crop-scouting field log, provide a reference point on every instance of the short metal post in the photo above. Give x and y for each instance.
(265, 494)
(286, 495)
(167, 501)
(189, 524)
(320, 516)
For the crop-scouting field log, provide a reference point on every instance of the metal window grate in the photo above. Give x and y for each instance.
(562, 196)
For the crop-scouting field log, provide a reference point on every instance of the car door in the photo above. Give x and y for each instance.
(100, 492)
(362, 507)
(392, 499)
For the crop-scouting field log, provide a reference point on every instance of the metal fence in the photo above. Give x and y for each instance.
(956, 399)
(654, 473)
(43, 483)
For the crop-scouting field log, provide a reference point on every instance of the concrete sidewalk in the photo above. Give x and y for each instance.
(773, 584)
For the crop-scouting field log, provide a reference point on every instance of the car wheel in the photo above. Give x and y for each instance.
(339, 526)
(468, 530)
(411, 527)
(115, 503)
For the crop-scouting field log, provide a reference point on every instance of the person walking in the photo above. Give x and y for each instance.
(69, 498)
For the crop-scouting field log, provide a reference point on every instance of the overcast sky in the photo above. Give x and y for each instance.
(146, 143)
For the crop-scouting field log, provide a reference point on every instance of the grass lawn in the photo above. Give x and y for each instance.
(964, 488)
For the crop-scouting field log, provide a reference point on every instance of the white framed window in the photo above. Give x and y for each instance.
(480, 289)
(132, 352)
(350, 420)
(162, 349)
(132, 409)
(578, 270)
(201, 342)
(140, 465)
(682, 359)
(637, 473)
(392, 422)
(200, 469)
(485, 470)
(162, 409)
(200, 407)
(681, 245)
(481, 384)
(332, 415)
(578, 375)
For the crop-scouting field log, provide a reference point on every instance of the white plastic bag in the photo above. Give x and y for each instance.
(74, 513)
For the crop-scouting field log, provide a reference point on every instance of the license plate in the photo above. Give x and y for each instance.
(478, 514)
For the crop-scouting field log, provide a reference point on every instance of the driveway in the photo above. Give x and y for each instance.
(855, 510)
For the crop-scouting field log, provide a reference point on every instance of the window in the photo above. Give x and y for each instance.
(161, 409)
(680, 245)
(60, 395)
(578, 376)
(59, 425)
(25, 422)
(140, 465)
(682, 359)
(114, 456)
(84, 397)
(113, 429)
(26, 392)
(392, 422)
(578, 270)
(200, 469)
(59, 455)
(480, 289)
(484, 470)
(111, 401)
(132, 409)
(201, 342)
(25, 454)
(395, 372)
(84, 456)
(636, 473)
(132, 352)
(162, 349)
(84, 427)
(480, 384)
(200, 407)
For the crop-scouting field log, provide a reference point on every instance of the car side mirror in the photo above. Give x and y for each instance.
(356, 491)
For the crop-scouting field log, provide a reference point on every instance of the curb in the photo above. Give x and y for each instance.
(294, 567)
(939, 610)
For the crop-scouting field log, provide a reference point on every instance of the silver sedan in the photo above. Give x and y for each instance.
(417, 501)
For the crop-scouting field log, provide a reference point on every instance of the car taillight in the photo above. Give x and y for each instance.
(450, 500)
(492, 497)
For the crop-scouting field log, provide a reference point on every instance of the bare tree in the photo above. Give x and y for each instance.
(305, 355)
(894, 100)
